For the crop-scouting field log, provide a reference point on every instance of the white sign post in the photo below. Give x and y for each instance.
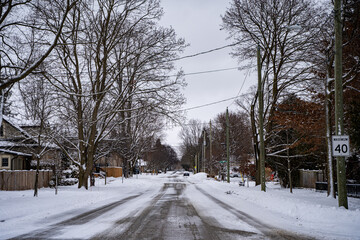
(340, 146)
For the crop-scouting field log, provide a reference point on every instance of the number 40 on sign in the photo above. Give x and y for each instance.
(340, 146)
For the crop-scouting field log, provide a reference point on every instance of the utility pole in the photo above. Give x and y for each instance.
(261, 123)
(210, 155)
(195, 170)
(204, 145)
(339, 109)
(227, 146)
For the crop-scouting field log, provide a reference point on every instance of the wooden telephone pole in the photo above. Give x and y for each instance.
(261, 123)
(339, 108)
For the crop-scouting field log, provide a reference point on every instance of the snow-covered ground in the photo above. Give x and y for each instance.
(20, 212)
(305, 211)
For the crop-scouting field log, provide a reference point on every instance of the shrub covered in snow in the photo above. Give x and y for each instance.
(66, 177)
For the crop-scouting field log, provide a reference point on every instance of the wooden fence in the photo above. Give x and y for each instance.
(114, 172)
(308, 178)
(23, 180)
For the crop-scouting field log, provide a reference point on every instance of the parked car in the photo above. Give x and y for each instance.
(241, 183)
(234, 175)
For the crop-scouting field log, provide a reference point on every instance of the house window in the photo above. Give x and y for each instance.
(1, 131)
(5, 162)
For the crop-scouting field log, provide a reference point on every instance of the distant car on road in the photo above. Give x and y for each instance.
(186, 174)
(241, 183)
(234, 175)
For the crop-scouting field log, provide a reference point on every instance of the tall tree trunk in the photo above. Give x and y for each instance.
(330, 174)
(36, 186)
(255, 141)
(83, 179)
(2, 102)
(84, 176)
(290, 178)
(288, 161)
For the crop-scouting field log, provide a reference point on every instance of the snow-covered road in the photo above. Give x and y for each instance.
(170, 215)
(170, 206)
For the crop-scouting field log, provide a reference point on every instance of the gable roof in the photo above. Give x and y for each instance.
(9, 143)
(16, 126)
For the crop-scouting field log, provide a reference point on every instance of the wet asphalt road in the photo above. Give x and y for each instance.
(169, 216)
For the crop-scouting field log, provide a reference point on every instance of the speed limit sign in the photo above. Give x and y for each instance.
(340, 146)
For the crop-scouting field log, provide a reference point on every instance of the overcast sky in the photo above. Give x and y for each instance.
(198, 21)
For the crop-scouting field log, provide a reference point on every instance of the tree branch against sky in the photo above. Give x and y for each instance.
(112, 62)
(22, 51)
(284, 53)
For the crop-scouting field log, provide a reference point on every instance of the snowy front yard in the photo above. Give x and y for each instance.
(305, 211)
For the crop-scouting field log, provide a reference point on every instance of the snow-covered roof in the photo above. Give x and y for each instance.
(142, 162)
(15, 125)
(16, 144)
(23, 122)
(15, 152)
(7, 144)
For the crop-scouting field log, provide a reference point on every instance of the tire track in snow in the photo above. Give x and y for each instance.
(77, 220)
(137, 227)
(171, 216)
(267, 230)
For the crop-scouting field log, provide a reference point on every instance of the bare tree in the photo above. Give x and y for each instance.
(239, 139)
(323, 62)
(151, 93)
(141, 131)
(162, 157)
(285, 53)
(114, 62)
(37, 96)
(26, 39)
(190, 134)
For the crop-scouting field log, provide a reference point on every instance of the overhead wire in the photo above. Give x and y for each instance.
(208, 104)
(211, 71)
(205, 52)
(243, 83)
(208, 71)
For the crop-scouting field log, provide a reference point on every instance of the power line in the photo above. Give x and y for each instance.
(201, 124)
(208, 71)
(175, 75)
(206, 52)
(189, 56)
(246, 75)
(209, 104)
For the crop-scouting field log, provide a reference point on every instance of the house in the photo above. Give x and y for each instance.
(13, 160)
(142, 164)
(18, 147)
